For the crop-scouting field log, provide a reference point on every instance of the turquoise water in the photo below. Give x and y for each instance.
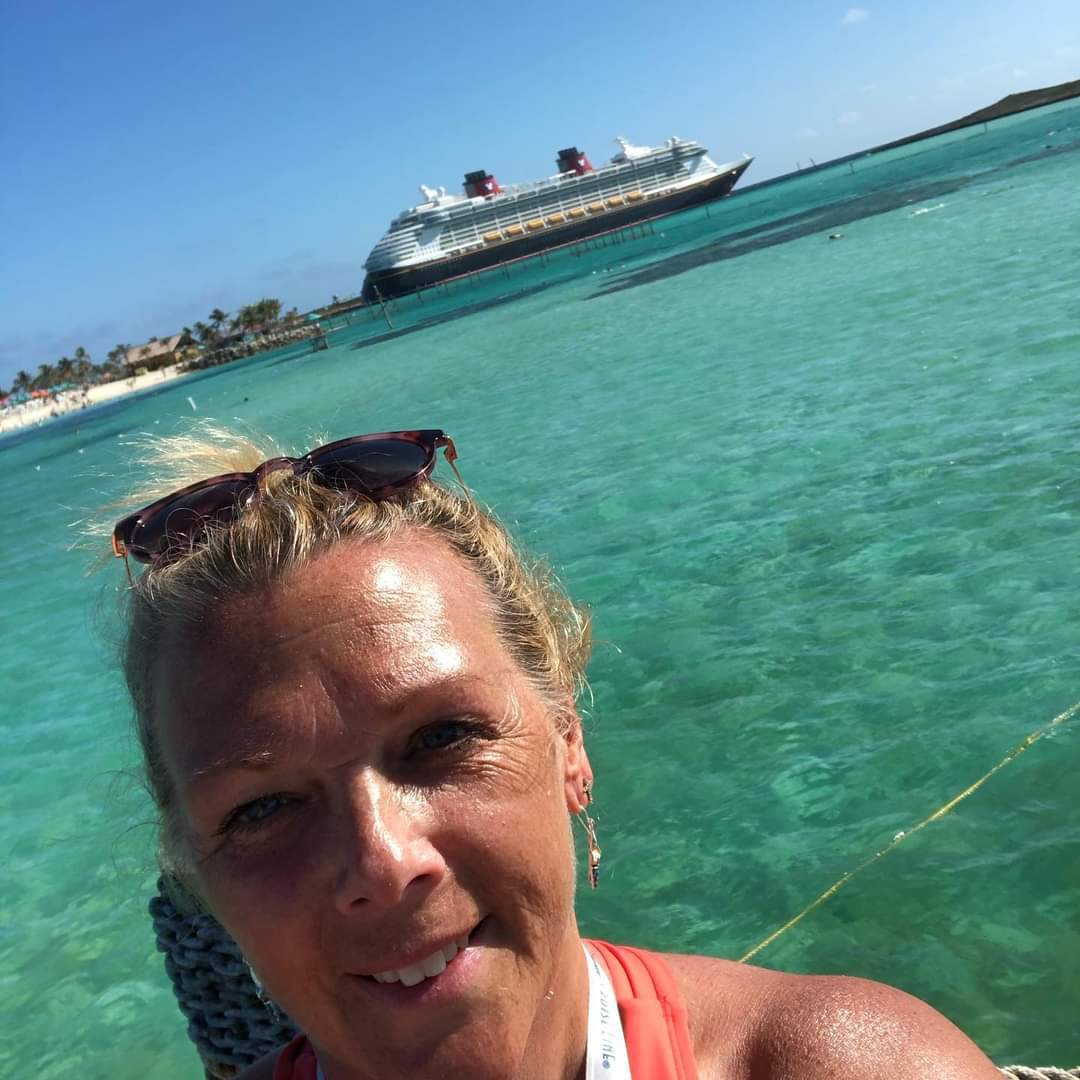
(822, 497)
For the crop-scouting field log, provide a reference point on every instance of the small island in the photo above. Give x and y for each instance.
(1007, 106)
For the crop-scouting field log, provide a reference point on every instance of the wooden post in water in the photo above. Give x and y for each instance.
(378, 296)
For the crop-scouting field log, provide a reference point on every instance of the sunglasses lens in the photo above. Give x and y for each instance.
(370, 465)
(179, 523)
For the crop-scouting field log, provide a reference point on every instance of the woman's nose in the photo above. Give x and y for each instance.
(386, 855)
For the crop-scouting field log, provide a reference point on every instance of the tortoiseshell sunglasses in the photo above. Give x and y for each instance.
(372, 466)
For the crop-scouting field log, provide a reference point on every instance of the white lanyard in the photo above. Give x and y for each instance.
(605, 1057)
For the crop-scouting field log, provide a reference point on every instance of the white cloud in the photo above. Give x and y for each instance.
(848, 118)
(854, 15)
(869, 86)
(808, 133)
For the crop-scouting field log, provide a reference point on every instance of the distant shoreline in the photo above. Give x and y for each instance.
(40, 411)
(1007, 106)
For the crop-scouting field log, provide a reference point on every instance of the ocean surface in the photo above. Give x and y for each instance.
(823, 498)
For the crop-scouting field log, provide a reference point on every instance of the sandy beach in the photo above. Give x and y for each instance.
(39, 411)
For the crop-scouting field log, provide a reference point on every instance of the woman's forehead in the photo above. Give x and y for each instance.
(365, 628)
(411, 585)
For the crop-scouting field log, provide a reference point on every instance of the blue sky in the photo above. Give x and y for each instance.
(162, 160)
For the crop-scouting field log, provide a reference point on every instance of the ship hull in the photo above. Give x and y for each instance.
(399, 281)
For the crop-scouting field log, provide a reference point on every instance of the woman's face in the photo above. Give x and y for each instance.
(369, 782)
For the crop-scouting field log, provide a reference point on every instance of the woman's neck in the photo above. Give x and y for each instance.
(558, 1041)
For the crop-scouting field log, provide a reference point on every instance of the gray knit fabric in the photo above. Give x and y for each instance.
(229, 1023)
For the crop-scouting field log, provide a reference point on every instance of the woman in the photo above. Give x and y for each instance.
(356, 703)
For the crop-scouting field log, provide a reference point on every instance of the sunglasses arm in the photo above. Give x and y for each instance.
(450, 453)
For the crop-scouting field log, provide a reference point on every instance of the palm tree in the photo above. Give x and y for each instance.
(115, 359)
(84, 366)
(205, 333)
(65, 369)
(217, 318)
(45, 377)
(268, 310)
(23, 382)
(244, 319)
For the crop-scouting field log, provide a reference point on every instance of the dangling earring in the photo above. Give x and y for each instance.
(589, 825)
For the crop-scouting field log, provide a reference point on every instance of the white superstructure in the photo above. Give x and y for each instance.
(445, 226)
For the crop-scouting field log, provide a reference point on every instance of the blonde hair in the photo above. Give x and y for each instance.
(293, 522)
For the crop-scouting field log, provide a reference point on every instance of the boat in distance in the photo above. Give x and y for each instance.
(449, 236)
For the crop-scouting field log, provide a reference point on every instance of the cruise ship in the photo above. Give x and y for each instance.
(451, 235)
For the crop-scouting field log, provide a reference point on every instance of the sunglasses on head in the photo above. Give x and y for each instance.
(371, 466)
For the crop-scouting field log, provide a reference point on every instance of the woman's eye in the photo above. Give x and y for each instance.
(443, 736)
(255, 813)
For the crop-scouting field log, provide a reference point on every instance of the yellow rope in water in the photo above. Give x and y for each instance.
(900, 837)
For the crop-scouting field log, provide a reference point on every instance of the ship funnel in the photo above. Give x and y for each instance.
(481, 183)
(573, 160)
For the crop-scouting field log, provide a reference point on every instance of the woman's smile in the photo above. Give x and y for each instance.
(442, 976)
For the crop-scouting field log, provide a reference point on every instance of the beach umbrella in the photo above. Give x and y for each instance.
(39, 393)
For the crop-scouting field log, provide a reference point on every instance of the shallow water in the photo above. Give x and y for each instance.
(822, 498)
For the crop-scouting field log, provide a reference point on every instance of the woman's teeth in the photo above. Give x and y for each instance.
(428, 968)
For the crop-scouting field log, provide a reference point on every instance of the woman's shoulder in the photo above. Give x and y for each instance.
(748, 1021)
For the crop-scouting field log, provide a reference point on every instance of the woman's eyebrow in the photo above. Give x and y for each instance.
(242, 760)
(264, 759)
(433, 683)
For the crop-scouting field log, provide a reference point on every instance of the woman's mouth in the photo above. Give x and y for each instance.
(452, 961)
(428, 968)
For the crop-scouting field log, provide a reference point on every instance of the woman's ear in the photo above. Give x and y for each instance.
(578, 774)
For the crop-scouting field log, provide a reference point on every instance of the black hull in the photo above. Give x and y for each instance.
(390, 283)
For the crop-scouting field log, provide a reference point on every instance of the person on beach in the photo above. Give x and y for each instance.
(356, 702)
